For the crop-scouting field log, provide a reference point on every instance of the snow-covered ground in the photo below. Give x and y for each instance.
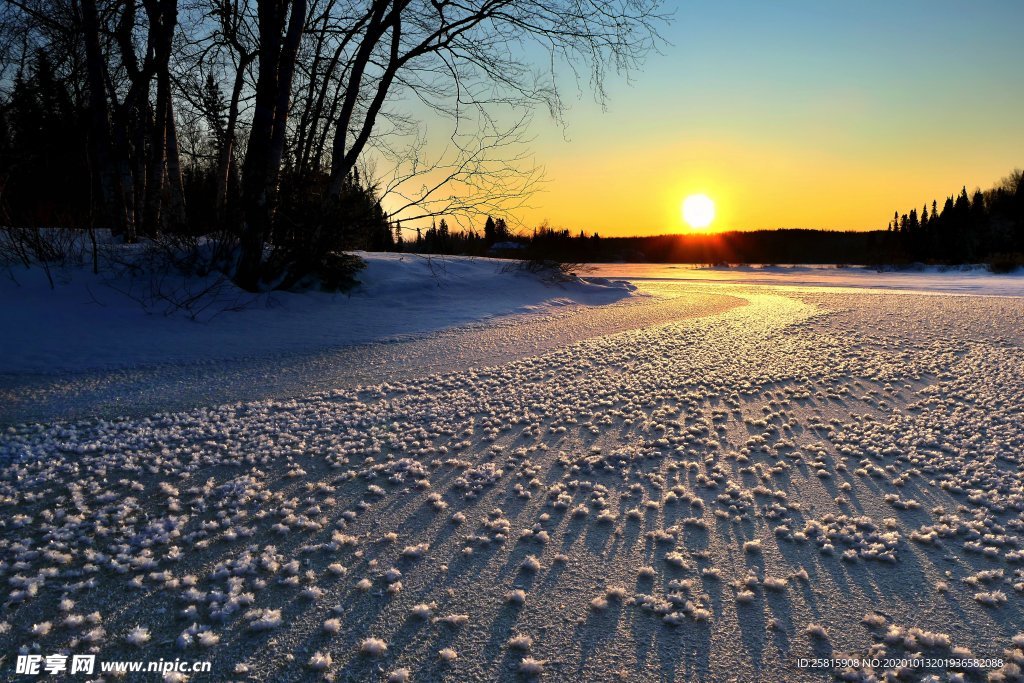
(812, 473)
(399, 295)
(140, 391)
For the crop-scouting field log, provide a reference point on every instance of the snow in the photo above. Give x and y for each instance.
(90, 321)
(702, 494)
(373, 647)
(947, 280)
(126, 362)
(401, 296)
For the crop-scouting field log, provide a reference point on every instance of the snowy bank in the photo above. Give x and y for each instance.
(90, 322)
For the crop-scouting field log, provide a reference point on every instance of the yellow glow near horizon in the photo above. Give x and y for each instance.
(757, 183)
(726, 111)
(698, 211)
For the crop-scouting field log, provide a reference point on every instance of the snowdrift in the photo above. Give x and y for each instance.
(90, 322)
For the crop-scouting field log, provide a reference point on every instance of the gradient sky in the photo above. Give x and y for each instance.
(820, 114)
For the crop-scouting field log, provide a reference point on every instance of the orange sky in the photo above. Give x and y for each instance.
(793, 114)
(638, 187)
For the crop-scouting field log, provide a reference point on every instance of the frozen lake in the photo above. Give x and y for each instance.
(430, 334)
(700, 481)
(967, 280)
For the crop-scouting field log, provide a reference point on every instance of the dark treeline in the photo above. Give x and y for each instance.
(441, 239)
(253, 118)
(759, 246)
(48, 174)
(985, 227)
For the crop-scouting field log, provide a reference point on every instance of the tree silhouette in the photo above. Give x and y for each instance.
(983, 226)
(266, 110)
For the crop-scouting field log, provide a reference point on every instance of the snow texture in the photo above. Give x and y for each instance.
(827, 472)
(399, 296)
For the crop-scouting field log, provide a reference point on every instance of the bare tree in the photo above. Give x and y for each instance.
(458, 58)
(472, 53)
(163, 20)
(315, 95)
(234, 30)
(486, 171)
(112, 190)
(278, 48)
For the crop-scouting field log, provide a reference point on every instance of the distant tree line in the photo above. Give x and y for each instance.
(254, 117)
(439, 238)
(755, 246)
(545, 243)
(988, 226)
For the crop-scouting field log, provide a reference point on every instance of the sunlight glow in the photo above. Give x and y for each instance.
(698, 210)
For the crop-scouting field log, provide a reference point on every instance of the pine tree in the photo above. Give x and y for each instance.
(490, 232)
(47, 147)
(444, 243)
(962, 205)
(501, 232)
(215, 108)
(947, 209)
(978, 204)
(399, 239)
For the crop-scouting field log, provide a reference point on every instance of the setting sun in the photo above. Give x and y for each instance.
(698, 210)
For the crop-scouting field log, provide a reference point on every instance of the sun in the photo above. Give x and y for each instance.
(698, 210)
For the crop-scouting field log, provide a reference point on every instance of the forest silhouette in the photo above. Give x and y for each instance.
(46, 180)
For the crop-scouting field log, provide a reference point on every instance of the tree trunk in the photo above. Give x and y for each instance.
(226, 159)
(132, 115)
(262, 166)
(311, 144)
(141, 126)
(304, 133)
(111, 191)
(289, 52)
(256, 219)
(163, 17)
(342, 162)
(320, 145)
(178, 220)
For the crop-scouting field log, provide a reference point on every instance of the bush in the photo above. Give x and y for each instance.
(547, 270)
(312, 232)
(329, 271)
(175, 273)
(49, 246)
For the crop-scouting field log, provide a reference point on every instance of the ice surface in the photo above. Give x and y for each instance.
(813, 473)
(947, 280)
